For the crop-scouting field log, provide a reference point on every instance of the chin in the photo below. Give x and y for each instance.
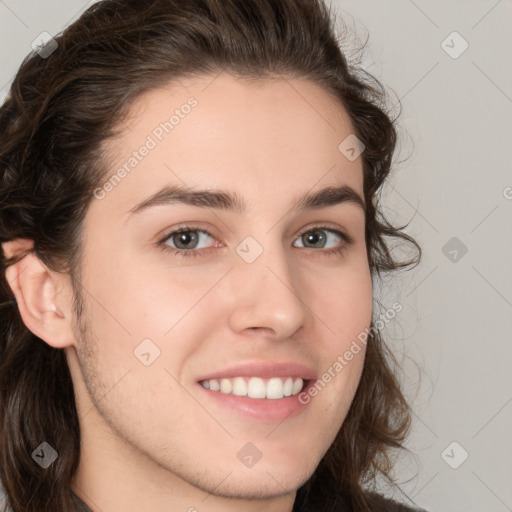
(264, 484)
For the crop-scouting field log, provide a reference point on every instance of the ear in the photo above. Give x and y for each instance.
(43, 296)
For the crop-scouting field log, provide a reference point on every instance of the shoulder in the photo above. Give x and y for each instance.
(383, 504)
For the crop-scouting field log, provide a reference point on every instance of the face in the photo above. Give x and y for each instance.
(255, 294)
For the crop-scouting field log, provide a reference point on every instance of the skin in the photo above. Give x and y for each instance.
(151, 440)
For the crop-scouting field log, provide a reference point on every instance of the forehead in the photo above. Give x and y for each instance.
(269, 139)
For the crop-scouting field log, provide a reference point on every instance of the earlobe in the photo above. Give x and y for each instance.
(36, 290)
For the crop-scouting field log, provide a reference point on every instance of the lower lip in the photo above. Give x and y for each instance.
(273, 410)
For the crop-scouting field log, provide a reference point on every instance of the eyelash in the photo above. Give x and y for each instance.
(180, 253)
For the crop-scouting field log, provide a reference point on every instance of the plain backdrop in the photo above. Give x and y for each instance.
(448, 64)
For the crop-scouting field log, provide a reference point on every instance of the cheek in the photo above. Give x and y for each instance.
(345, 310)
(142, 297)
(344, 302)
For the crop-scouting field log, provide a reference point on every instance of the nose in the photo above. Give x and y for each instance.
(266, 296)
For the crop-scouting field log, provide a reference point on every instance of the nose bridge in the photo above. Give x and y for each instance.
(268, 290)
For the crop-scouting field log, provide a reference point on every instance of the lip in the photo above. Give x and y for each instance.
(269, 410)
(262, 409)
(264, 370)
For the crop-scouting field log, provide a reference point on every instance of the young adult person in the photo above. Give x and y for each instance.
(191, 233)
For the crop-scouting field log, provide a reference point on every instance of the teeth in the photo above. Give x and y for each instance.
(297, 386)
(255, 387)
(239, 387)
(225, 386)
(274, 388)
(288, 387)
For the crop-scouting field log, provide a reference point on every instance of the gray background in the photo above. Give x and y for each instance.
(454, 185)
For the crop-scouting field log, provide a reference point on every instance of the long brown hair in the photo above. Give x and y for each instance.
(59, 111)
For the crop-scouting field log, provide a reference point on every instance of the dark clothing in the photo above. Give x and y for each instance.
(380, 503)
(79, 505)
(386, 504)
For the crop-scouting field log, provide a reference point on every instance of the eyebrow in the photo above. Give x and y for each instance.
(219, 199)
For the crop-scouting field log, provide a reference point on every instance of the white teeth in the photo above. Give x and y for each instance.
(288, 387)
(239, 387)
(297, 386)
(275, 388)
(255, 387)
(214, 384)
(226, 386)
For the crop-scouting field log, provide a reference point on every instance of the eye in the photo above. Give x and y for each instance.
(186, 241)
(318, 238)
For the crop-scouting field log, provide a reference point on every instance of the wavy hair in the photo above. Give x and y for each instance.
(59, 111)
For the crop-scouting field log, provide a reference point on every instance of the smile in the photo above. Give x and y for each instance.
(255, 387)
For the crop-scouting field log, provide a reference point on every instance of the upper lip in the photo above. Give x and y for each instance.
(263, 370)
